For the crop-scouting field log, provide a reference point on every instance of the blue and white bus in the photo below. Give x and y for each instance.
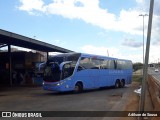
(78, 71)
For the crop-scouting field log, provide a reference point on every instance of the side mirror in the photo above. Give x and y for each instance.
(41, 66)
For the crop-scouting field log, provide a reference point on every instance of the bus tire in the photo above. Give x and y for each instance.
(78, 88)
(117, 84)
(122, 83)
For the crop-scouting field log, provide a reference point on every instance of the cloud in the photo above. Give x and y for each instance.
(59, 42)
(131, 43)
(32, 6)
(89, 11)
(116, 52)
(113, 52)
(154, 53)
(156, 43)
(156, 7)
(140, 1)
(155, 38)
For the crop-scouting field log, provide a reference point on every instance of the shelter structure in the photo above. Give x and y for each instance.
(9, 38)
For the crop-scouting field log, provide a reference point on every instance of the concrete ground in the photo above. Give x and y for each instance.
(129, 101)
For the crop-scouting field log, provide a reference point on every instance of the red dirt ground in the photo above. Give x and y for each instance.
(133, 103)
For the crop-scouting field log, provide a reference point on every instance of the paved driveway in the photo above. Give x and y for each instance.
(36, 99)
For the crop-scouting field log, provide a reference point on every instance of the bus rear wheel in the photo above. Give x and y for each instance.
(78, 88)
(117, 84)
(122, 84)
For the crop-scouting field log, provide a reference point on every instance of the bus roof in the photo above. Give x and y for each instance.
(101, 57)
(65, 54)
(87, 55)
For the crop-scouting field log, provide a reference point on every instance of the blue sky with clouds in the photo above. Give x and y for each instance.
(88, 26)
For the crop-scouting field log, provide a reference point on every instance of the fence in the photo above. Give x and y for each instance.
(154, 90)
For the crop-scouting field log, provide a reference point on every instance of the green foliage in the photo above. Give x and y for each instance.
(137, 66)
(137, 78)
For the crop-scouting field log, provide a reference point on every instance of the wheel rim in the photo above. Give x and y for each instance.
(122, 83)
(117, 84)
(76, 88)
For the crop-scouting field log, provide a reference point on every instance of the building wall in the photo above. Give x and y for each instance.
(22, 62)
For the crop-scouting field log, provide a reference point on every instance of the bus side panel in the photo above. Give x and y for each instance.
(85, 77)
(104, 77)
(129, 77)
(109, 77)
(111, 80)
(95, 77)
(113, 77)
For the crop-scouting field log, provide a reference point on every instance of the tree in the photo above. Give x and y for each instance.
(137, 66)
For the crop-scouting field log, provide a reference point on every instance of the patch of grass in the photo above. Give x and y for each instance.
(137, 78)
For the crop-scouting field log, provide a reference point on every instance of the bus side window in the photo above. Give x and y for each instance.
(95, 63)
(111, 64)
(103, 64)
(115, 64)
(83, 64)
(124, 64)
(80, 68)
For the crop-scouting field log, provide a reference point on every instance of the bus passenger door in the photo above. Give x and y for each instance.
(67, 69)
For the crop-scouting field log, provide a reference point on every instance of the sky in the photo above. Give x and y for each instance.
(103, 27)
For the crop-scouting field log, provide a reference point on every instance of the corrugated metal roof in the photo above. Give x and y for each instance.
(10, 38)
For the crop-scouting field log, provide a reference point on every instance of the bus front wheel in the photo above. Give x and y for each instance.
(78, 88)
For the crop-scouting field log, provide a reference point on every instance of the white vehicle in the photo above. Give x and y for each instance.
(156, 70)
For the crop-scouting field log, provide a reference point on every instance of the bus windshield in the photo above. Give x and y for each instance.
(60, 67)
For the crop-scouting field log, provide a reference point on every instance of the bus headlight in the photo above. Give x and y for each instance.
(58, 84)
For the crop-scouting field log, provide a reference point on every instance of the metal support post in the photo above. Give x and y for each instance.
(142, 99)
